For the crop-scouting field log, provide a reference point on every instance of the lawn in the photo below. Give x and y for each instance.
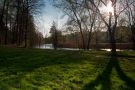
(35, 69)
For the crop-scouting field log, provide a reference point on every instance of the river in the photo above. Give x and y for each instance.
(50, 46)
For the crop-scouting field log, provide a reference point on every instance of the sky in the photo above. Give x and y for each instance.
(48, 15)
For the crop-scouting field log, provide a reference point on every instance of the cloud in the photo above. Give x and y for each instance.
(45, 20)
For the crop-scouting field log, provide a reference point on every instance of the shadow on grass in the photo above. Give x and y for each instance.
(29, 61)
(104, 79)
(15, 65)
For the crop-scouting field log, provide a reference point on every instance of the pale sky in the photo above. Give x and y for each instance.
(48, 15)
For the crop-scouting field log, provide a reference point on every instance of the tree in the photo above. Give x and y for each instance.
(1, 18)
(130, 13)
(112, 21)
(54, 35)
(17, 21)
(81, 17)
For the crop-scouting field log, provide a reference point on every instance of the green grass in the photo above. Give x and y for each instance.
(35, 69)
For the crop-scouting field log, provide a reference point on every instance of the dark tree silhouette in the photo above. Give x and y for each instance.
(54, 35)
(17, 22)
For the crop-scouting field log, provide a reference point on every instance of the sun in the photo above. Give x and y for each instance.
(106, 9)
(109, 7)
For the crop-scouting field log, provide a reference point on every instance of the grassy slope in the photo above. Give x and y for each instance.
(34, 69)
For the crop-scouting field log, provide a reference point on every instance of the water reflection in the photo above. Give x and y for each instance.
(50, 46)
(108, 50)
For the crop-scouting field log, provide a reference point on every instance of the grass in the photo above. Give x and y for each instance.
(35, 69)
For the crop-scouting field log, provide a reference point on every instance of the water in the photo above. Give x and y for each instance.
(45, 46)
(50, 46)
(109, 50)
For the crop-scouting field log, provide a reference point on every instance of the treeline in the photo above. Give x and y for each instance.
(17, 23)
(99, 39)
(88, 16)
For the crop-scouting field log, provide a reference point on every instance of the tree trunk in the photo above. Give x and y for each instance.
(113, 44)
(25, 35)
(6, 36)
(134, 44)
(80, 27)
(26, 28)
(89, 35)
(82, 36)
(6, 29)
(89, 40)
(81, 32)
(133, 36)
(111, 31)
(112, 40)
(1, 19)
(2, 12)
(55, 40)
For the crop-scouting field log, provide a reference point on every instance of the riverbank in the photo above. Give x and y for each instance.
(30, 69)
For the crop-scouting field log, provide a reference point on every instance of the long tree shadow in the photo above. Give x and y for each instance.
(104, 79)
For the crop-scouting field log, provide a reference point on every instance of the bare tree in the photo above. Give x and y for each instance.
(1, 18)
(130, 13)
(16, 22)
(74, 12)
(112, 21)
(78, 12)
